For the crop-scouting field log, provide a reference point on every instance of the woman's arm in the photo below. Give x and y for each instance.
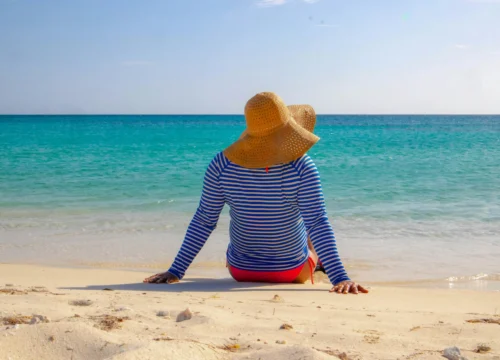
(312, 207)
(203, 223)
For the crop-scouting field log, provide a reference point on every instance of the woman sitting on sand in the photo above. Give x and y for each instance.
(279, 224)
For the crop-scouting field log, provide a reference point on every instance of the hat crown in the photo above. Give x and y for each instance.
(264, 113)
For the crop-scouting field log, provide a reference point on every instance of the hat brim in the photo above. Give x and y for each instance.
(286, 144)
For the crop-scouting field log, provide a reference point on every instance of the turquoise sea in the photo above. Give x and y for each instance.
(413, 199)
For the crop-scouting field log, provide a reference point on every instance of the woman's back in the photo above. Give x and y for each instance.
(273, 211)
(266, 225)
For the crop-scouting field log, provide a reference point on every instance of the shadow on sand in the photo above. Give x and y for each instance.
(201, 285)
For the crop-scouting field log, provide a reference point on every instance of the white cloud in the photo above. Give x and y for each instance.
(136, 63)
(461, 46)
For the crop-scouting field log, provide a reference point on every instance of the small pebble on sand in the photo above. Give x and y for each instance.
(185, 315)
(281, 342)
(277, 298)
(453, 353)
(163, 314)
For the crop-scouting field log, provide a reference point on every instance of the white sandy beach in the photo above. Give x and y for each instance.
(233, 321)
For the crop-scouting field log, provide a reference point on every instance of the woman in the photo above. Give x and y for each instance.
(279, 224)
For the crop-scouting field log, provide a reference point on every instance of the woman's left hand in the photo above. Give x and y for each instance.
(346, 287)
(162, 278)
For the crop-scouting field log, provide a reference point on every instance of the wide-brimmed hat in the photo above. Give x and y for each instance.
(275, 133)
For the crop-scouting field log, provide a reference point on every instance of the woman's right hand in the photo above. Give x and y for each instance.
(162, 278)
(346, 287)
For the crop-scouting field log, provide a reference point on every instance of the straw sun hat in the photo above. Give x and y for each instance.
(275, 134)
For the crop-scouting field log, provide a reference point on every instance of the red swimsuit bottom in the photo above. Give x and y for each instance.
(287, 276)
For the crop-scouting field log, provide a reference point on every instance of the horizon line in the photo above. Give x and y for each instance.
(215, 114)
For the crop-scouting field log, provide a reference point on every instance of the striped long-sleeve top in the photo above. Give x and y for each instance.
(272, 211)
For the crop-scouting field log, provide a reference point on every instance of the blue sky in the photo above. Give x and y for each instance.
(210, 56)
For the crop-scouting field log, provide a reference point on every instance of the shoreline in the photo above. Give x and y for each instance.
(217, 270)
(234, 320)
(386, 257)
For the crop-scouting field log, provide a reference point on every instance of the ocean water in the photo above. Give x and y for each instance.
(413, 199)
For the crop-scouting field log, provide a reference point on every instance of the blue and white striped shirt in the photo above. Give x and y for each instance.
(272, 213)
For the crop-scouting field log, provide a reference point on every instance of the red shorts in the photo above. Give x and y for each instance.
(287, 276)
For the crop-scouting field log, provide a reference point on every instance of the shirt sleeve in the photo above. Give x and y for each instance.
(312, 207)
(204, 220)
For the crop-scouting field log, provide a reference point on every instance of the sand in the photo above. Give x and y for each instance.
(231, 320)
